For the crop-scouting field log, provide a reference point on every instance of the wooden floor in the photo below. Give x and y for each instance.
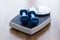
(30, 37)
(9, 9)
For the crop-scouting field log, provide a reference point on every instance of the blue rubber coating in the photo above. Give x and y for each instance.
(17, 21)
(24, 19)
(23, 11)
(34, 21)
(31, 12)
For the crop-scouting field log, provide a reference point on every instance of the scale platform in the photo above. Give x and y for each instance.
(16, 24)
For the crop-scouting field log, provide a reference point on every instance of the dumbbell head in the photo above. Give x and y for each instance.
(33, 20)
(24, 19)
(23, 11)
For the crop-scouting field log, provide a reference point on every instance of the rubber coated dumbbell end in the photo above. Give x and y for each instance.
(23, 11)
(24, 19)
(34, 21)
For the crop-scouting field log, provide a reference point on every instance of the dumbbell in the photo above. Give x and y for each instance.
(33, 19)
(24, 17)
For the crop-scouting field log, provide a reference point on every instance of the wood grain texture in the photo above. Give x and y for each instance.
(24, 36)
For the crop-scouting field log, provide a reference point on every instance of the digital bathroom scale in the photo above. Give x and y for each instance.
(16, 24)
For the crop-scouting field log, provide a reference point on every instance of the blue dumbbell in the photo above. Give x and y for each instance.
(33, 19)
(24, 17)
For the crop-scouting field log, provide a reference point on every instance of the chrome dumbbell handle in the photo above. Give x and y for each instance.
(32, 15)
(24, 14)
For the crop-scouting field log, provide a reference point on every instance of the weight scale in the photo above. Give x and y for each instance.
(43, 21)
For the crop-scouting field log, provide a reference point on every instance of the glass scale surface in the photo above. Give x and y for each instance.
(43, 21)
